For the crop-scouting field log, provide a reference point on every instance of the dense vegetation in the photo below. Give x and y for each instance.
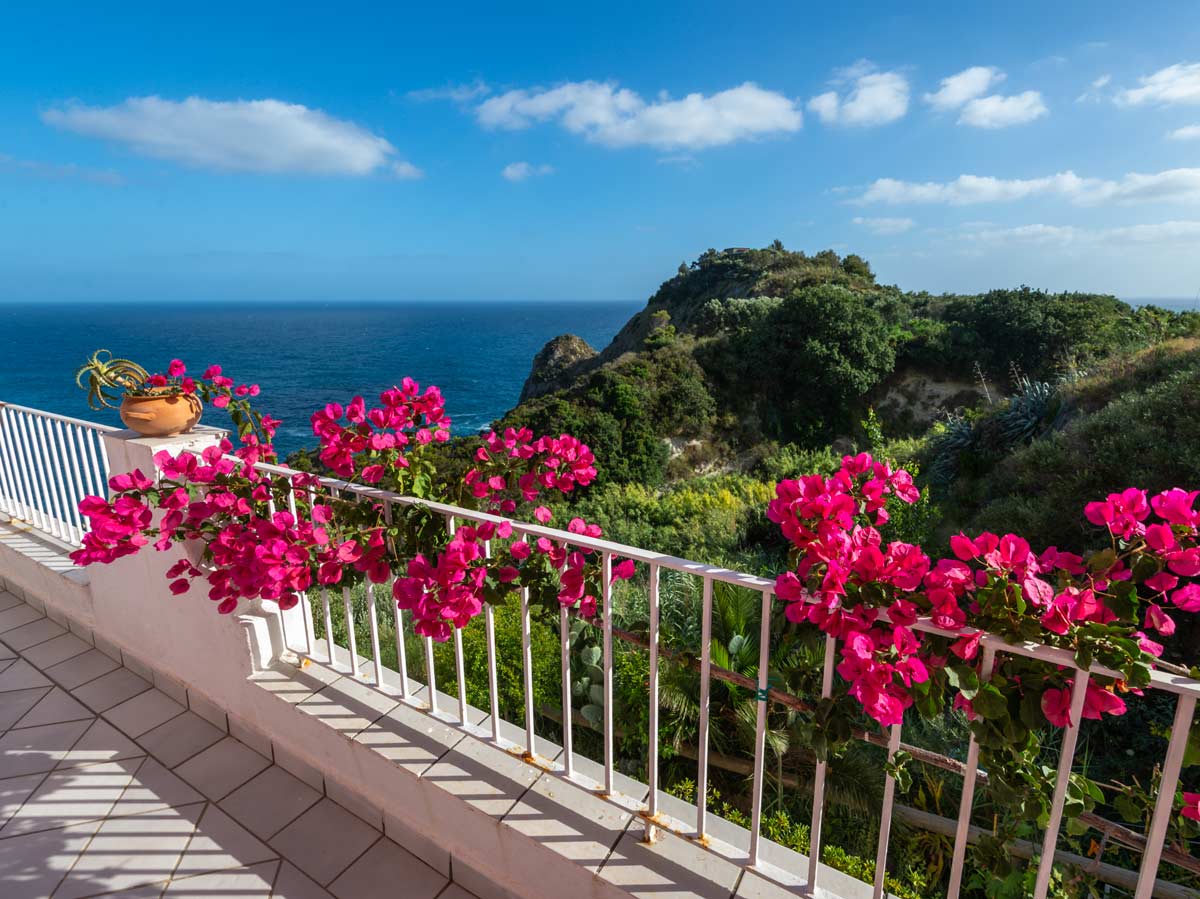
(751, 366)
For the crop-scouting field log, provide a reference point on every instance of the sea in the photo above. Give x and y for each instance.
(302, 355)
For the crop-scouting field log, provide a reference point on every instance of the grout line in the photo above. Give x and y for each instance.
(355, 859)
(292, 821)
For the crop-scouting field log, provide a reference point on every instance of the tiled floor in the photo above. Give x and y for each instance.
(109, 787)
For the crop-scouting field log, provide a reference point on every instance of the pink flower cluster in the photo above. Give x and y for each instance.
(868, 594)
(516, 464)
(366, 442)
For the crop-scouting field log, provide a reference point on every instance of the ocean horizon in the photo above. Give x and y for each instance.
(302, 354)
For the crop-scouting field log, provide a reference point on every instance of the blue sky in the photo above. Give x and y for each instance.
(392, 152)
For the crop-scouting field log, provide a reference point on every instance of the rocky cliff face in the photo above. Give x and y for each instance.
(557, 364)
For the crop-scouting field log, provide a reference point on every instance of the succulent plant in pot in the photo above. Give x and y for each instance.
(158, 405)
(153, 405)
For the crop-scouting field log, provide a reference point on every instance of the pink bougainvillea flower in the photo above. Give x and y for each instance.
(176, 369)
(1191, 806)
(1056, 706)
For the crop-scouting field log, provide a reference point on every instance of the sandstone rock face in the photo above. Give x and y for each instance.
(915, 400)
(556, 365)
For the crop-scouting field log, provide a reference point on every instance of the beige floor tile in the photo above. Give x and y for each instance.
(180, 738)
(17, 616)
(15, 703)
(8, 600)
(220, 843)
(111, 689)
(291, 883)
(34, 749)
(383, 866)
(324, 841)
(52, 652)
(14, 791)
(269, 802)
(72, 796)
(33, 864)
(222, 768)
(20, 675)
(130, 852)
(86, 666)
(154, 788)
(143, 712)
(101, 743)
(56, 707)
(21, 638)
(253, 882)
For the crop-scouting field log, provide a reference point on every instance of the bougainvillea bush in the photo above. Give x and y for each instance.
(264, 533)
(270, 534)
(1105, 608)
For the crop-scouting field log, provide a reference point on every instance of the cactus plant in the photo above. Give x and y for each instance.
(108, 378)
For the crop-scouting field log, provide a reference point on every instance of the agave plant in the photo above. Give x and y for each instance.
(105, 378)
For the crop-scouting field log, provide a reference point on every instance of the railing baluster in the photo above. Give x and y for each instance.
(1164, 803)
(351, 637)
(37, 487)
(54, 500)
(430, 676)
(885, 820)
(527, 669)
(818, 811)
(374, 616)
(71, 473)
(564, 639)
(305, 604)
(705, 689)
(606, 589)
(1070, 736)
(489, 633)
(328, 616)
(460, 668)
(401, 652)
(963, 830)
(15, 505)
(8, 500)
(652, 736)
(398, 619)
(98, 472)
(760, 726)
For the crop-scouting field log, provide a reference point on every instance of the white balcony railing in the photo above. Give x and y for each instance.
(47, 460)
(48, 463)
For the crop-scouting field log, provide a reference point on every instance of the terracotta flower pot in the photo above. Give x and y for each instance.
(161, 416)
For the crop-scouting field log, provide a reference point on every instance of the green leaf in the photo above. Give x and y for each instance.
(990, 703)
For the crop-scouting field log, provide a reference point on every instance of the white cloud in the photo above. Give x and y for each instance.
(966, 91)
(875, 98)
(1001, 112)
(406, 171)
(1187, 132)
(239, 135)
(885, 226)
(618, 117)
(1179, 83)
(1093, 93)
(519, 171)
(1173, 185)
(966, 85)
(1157, 234)
(455, 93)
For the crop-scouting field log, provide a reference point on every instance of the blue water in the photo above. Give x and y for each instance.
(302, 355)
